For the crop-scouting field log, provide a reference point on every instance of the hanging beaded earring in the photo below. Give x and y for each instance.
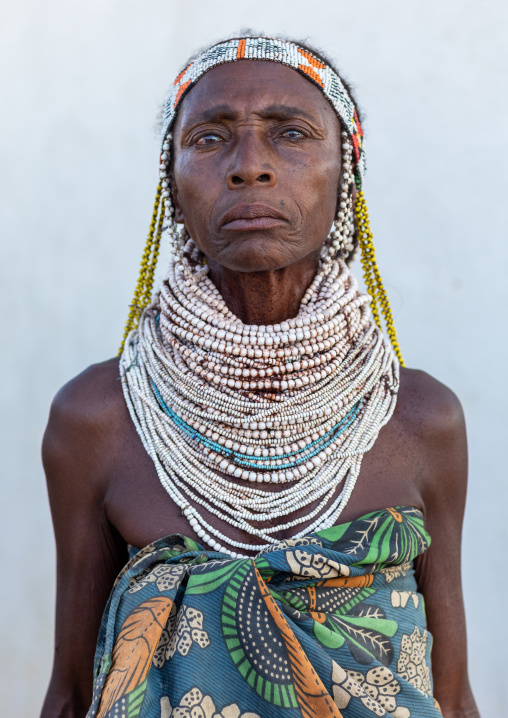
(188, 257)
(163, 220)
(341, 235)
(177, 236)
(340, 238)
(341, 242)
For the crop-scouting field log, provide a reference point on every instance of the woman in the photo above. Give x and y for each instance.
(261, 428)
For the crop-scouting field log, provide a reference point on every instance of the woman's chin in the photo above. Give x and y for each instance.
(259, 264)
(257, 256)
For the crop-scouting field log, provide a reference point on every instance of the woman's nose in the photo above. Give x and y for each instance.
(251, 164)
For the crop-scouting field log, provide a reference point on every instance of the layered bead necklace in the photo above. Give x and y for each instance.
(224, 409)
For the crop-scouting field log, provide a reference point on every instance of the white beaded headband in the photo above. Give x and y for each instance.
(287, 53)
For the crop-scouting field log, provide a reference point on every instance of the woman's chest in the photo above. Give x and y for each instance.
(140, 508)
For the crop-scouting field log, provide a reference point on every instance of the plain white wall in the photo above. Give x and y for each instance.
(81, 88)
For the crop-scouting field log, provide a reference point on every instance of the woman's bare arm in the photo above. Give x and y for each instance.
(438, 570)
(90, 552)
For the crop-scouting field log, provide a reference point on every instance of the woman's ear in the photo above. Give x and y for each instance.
(176, 202)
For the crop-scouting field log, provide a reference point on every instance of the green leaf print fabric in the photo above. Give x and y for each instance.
(323, 626)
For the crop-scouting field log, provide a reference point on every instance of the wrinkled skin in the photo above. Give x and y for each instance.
(250, 134)
(262, 142)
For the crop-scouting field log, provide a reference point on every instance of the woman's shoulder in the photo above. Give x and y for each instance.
(430, 418)
(86, 415)
(427, 404)
(91, 399)
(91, 390)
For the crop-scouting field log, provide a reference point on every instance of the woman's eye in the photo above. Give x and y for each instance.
(209, 139)
(293, 134)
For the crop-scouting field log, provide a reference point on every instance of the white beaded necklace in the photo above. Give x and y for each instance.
(225, 408)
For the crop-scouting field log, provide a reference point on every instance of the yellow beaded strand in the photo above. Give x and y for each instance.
(373, 281)
(144, 286)
(150, 274)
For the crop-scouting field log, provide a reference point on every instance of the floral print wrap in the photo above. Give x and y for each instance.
(324, 626)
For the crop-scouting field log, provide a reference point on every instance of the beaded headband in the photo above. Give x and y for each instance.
(321, 75)
(286, 53)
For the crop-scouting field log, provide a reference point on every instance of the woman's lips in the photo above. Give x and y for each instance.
(246, 224)
(248, 217)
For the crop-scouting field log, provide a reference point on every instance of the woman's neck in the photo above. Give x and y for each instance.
(265, 297)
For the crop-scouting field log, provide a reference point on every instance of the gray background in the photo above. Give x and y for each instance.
(81, 87)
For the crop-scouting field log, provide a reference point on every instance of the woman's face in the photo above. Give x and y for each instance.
(257, 158)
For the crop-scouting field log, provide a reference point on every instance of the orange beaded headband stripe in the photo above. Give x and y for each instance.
(286, 53)
(324, 77)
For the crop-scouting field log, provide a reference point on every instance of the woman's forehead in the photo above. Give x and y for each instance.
(252, 85)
